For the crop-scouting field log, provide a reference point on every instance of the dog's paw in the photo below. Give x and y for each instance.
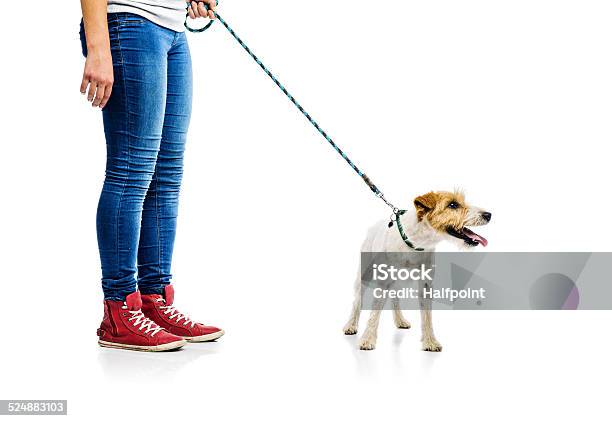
(367, 345)
(403, 324)
(431, 345)
(350, 330)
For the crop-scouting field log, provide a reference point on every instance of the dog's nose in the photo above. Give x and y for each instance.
(486, 216)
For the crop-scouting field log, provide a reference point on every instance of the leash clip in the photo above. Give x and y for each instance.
(394, 217)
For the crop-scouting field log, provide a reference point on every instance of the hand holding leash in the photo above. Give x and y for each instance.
(201, 9)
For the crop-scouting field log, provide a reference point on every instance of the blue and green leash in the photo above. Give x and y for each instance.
(395, 217)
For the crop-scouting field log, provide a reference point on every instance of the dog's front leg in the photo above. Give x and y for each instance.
(350, 328)
(368, 340)
(398, 317)
(428, 339)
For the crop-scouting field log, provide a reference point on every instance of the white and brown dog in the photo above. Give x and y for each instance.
(437, 216)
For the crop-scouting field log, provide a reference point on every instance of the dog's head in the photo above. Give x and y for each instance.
(450, 215)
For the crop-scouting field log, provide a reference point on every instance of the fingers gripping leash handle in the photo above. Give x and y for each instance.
(205, 27)
(363, 176)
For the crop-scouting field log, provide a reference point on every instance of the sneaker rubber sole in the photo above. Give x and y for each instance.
(147, 348)
(205, 338)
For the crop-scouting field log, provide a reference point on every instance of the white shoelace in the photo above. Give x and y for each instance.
(173, 312)
(146, 324)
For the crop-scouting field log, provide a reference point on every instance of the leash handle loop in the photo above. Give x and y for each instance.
(205, 27)
(197, 30)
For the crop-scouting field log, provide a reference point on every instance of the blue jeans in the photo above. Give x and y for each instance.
(145, 123)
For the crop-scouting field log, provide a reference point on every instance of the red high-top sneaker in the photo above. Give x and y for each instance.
(125, 326)
(161, 310)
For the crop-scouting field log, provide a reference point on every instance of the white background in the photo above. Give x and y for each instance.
(509, 100)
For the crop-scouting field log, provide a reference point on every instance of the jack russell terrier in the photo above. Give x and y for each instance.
(437, 216)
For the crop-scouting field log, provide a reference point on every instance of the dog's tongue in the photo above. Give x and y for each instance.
(475, 237)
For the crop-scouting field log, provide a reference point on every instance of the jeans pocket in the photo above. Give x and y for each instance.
(130, 19)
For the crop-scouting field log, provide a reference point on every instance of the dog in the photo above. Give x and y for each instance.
(437, 216)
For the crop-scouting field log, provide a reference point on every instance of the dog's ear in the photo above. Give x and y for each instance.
(425, 203)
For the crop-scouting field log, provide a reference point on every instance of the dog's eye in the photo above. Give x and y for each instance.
(453, 205)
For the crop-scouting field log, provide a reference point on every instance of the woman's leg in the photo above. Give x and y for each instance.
(133, 122)
(161, 207)
(161, 204)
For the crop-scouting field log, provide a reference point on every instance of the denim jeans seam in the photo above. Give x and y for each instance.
(173, 41)
(129, 125)
(159, 240)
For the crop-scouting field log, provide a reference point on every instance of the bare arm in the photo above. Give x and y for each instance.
(97, 80)
(98, 73)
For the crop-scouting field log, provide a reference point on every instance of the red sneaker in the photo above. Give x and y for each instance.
(125, 326)
(161, 310)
